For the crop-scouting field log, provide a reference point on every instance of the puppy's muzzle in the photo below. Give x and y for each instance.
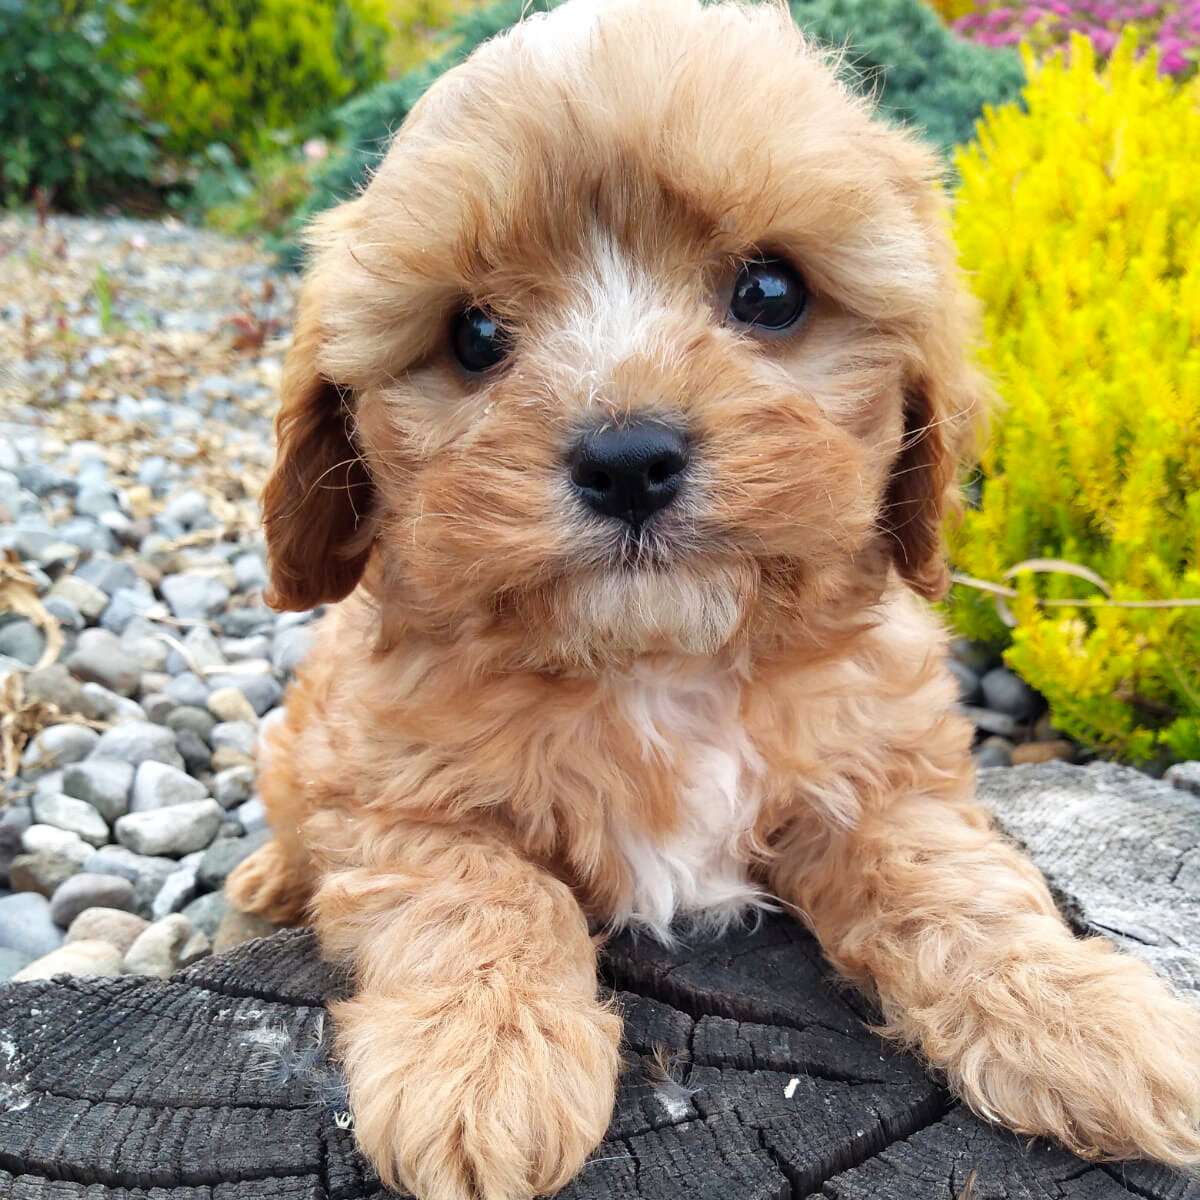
(630, 471)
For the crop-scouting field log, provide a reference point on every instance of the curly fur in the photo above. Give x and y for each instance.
(509, 729)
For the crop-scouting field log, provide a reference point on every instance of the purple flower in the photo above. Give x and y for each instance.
(1104, 40)
(1173, 63)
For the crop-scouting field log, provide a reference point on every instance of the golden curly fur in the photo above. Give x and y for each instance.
(509, 729)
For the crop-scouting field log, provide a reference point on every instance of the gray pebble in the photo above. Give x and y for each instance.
(158, 707)
(291, 648)
(12, 961)
(252, 815)
(968, 682)
(156, 785)
(137, 742)
(55, 685)
(199, 720)
(251, 572)
(102, 783)
(261, 690)
(233, 786)
(194, 597)
(40, 872)
(99, 657)
(23, 640)
(49, 839)
(175, 830)
(125, 606)
(198, 946)
(188, 689)
(239, 649)
(25, 924)
(179, 888)
(206, 912)
(225, 854)
(57, 745)
(993, 752)
(91, 500)
(242, 622)
(10, 847)
(152, 470)
(65, 613)
(87, 597)
(118, 928)
(105, 705)
(1185, 775)
(75, 816)
(235, 735)
(197, 755)
(1006, 692)
(85, 891)
(990, 722)
(108, 573)
(189, 508)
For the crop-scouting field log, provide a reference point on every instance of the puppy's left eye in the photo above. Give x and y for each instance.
(768, 293)
(477, 341)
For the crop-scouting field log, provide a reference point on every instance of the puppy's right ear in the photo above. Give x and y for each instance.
(318, 501)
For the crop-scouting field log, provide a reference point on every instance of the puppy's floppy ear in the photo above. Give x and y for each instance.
(317, 503)
(945, 409)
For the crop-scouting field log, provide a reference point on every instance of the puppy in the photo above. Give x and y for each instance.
(622, 415)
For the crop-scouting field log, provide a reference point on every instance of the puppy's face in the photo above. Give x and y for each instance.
(644, 336)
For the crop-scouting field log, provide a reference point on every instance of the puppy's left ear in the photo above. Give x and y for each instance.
(945, 411)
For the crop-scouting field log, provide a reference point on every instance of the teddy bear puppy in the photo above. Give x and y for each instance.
(623, 412)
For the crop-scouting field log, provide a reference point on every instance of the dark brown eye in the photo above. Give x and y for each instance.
(768, 293)
(477, 342)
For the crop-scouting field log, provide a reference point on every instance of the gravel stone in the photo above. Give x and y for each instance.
(127, 604)
(105, 784)
(112, 925)
(25, 924)
(223, 855)
(108, 706)
(1184, 775)
(11, 961)
(229, 704)
(993, 752)
(156, 785)
(988, 721)
(10, 847)
(1043, 752)
(199, 720)
(1008, 693)
(90, 600)
(235, 735)
(260, 689)
(179, 888)
(137, 742)
(55, 685)
(157, 949)
(157, 707)
(291, 648)
(251, 572)
(99, 657)
(194, 597)
(175, 830)
(50, 839)
(233, 786)
(84, 891)
(198, 946)
(206, 912)
(21, 639)
(58, 745)
(75, 816)
(188, 689)
(237, 927)
(107, 573)
(86, 957)
(252, 815)
(41, 873)
(969, 691)
(65, 613)
(197, 756)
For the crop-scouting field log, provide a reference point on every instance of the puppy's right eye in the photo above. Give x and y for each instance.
(477, 342)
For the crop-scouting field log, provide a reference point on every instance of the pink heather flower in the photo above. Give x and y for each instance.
(1032, 16)
(1105, 41)
(1059, 9)
(1173, 63)
(998, 18)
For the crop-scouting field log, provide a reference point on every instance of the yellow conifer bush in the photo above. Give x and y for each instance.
(1078, 219)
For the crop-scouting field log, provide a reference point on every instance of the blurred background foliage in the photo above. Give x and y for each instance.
(1070, 133)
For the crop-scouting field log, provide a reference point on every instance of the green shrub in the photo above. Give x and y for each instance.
(1077, 223)
(922, 73)
(254, 73)
(70, 122)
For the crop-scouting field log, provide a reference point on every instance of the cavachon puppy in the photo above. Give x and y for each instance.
(623, 412)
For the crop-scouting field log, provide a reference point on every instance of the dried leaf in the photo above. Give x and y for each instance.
(18, 593)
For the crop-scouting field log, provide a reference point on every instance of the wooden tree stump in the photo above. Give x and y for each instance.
(751, 1073)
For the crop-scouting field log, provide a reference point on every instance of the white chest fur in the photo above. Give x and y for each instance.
(698, 871)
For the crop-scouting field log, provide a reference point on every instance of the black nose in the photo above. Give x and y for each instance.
(630, 471)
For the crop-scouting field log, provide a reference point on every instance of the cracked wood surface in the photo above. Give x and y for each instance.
(751, 1074)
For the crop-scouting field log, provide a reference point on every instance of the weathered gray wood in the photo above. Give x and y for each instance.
(216, 1085)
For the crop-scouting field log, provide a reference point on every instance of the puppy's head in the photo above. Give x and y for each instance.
(643, 336)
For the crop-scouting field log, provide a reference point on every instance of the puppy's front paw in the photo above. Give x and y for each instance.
(487, 1096)
(1093, 1051)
